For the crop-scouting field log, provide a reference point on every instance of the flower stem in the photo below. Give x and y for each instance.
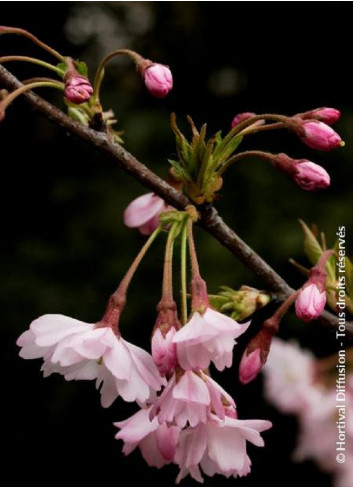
(192, 250)
(23, 32)
(124, 284)
(6, 59)
(139, 60)
(25, 88)
(273, 322)
(167, 294)
(251, 120)
(245, 154)
(183, 248)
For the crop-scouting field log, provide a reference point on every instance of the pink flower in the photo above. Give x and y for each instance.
(78, 351)
(289, 377)
(218, 447)
(319, 135)
(310, 176)
(158, 80)
(208, 337)
(189, 397)
(310, 302)
(78, 89)
(157, 442)
(164, 351)
(143, 213)
(250, 366)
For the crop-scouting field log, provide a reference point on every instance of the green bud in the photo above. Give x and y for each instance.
(239, 304)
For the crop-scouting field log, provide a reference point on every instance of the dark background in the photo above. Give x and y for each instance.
(64, 247)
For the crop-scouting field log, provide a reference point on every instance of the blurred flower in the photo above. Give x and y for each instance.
(143, 213)
(242, 117)
(310, 176)
(327, 115)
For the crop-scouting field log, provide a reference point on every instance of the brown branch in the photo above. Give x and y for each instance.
(210, 220)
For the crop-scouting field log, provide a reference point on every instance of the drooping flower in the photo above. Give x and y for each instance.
(77, 89)
(80, 350)
(310, 302)
(319, 135)
(164, 351)
(143, 213)
(208, 337)
(218, 447)
(158, 80)
(156, 441)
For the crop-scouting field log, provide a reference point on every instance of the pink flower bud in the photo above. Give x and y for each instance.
(250, 366)
(77, 89)
(319, 135)
(310, 176)
(310, 302)
(241, 118)
(158, 80)
(327, 115)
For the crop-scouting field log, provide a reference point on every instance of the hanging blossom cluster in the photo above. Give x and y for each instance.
(184, 416)
(299, 384)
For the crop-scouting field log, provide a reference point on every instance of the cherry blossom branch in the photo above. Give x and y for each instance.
(209, 217)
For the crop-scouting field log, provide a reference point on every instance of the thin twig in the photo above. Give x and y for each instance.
(210, 220)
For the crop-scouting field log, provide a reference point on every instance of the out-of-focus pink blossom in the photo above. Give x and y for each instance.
(78, 89)
(156, 441)
(164, 351)
(208, 337)
(310, 176)
(218, 447)
(158, 80)
(78, 351)
(250, 366)
(289, 377)
(319, 135)
(310, 302)
(143, 213)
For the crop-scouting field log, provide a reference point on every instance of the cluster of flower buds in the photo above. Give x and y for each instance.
(181, 406)
(82, 96)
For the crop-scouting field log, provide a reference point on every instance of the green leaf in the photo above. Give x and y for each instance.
(82, 68)
(312, 248)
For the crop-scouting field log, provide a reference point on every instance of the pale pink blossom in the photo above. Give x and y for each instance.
(208, 337)
(143, 213)
(319, 135)
(310, 176)
(78, 89)
(289, 376)
(78, 351)
(250, 366)
(310, 302)
(156, 441)
(158, 80)
(164, 351)
(218, 447)
(189, 397)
